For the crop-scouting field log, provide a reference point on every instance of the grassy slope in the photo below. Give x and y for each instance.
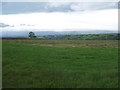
(49, 67)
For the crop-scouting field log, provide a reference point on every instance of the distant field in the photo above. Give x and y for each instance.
(60, 64)
(70, 43)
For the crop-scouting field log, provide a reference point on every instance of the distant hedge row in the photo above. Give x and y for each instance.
(114, 36)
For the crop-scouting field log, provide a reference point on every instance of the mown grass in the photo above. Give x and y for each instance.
(29, 66)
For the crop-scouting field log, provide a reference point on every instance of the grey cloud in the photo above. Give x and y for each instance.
(26, 25)
(4, 25)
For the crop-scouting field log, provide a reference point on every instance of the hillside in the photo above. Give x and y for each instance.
(112, 36)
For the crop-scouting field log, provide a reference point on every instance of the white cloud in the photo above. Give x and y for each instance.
(57, 4)
(78, 6)
(92, 6)
(59, 21)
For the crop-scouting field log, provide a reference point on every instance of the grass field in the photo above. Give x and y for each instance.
(60, 64)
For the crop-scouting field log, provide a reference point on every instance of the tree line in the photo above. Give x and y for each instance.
(114, 36)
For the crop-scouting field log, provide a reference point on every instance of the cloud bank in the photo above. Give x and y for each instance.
(58, 21)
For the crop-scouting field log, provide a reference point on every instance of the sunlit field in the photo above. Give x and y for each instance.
(60, 63)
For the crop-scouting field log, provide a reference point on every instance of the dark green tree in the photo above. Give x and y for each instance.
(32, 35)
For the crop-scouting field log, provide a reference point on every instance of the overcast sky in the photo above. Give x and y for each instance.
(59, 16)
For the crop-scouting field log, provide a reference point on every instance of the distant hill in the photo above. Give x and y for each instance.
(46, 33)
(112, 36)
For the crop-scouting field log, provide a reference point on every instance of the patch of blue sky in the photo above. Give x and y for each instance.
(23, 7)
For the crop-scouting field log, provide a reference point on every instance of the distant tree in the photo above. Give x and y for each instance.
(32, 35)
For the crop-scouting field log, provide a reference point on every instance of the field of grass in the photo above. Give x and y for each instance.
(70, 43)
(57, 64)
